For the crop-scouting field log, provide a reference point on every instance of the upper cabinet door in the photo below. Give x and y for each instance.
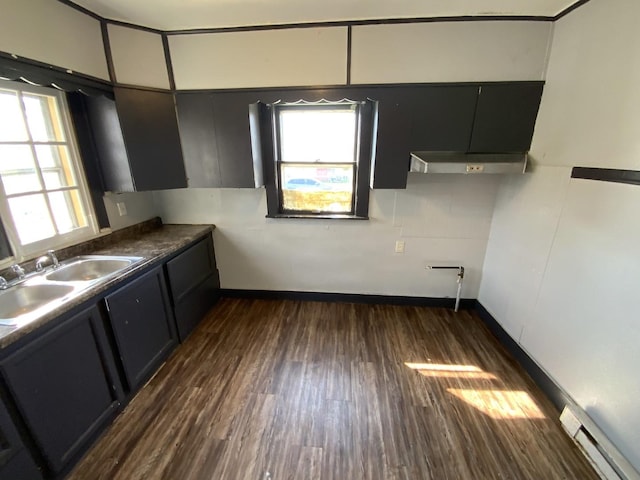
(109, 144)
(216, 139)
(505, 117)
(442, 118)
(196, 121)
(434, 118)
(150, 129)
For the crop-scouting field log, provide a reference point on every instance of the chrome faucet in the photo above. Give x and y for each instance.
(18, 270)
(50, 255)
(3, 283)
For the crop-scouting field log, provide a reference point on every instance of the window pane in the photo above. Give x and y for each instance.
(313, 188)
(43, 118)
(17, 169)
(31, 218)
(12, 127)
(56, 166)
(67, 210)
(318, 135)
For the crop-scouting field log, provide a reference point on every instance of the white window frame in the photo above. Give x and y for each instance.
(59, 240)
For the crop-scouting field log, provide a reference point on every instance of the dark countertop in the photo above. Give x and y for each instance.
(153, 241)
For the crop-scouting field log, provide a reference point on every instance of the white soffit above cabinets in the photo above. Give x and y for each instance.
(192, 14)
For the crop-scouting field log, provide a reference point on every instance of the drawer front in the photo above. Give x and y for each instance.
(191, 268)
(194, 306)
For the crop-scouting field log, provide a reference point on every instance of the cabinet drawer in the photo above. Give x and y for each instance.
(193, 306)
(191, 268)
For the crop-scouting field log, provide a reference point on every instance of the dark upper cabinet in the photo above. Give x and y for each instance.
(150, 131)
(109, 144)
(65, 386)
(143, 326)
(196, 121)
(437, 118)
(135, 139)
(442, 117)
(234, 137)
(505, 117)
(393, 137)
(215, 133)
(216, 141)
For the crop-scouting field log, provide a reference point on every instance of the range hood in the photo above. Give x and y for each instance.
(473, 163)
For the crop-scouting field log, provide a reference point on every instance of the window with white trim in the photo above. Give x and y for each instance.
(44, 200)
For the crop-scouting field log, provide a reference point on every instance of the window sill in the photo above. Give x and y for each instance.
(322, 216)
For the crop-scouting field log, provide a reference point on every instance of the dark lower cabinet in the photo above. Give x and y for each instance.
(194, 283)
(15, 461)
(65, 387)
(62, 385)
(143, 326)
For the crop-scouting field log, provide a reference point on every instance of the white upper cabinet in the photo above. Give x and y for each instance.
(267, 58)
(138, 57)
(473, 51)
(53, 33)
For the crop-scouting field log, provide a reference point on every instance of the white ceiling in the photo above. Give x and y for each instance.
(190, 14)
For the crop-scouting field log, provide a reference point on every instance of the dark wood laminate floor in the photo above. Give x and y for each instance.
(306, 390)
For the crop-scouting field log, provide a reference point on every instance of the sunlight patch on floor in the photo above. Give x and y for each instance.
(450, 371)
(500, 404)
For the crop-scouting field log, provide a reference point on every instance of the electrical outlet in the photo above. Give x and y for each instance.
(475, 168)
(122, 208)
(399, 246)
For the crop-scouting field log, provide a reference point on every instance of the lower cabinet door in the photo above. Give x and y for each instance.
(143, 326)
(15, 461)
(65, 386)
(194, 284)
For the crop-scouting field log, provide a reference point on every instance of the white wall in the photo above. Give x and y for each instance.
(442, 219)
(138, 57)
(140, 207)
(53, 33)
(450, 52)
(562, 270)
(270, 58)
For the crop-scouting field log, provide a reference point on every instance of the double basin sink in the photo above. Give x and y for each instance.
(45, 291)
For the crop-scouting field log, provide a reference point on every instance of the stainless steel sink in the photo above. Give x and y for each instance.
(42, 292)
(17, 303)
(90, 268)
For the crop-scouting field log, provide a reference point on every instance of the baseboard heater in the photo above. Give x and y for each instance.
(603, 455)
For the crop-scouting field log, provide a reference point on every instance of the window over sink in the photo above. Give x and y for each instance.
(44, 200)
